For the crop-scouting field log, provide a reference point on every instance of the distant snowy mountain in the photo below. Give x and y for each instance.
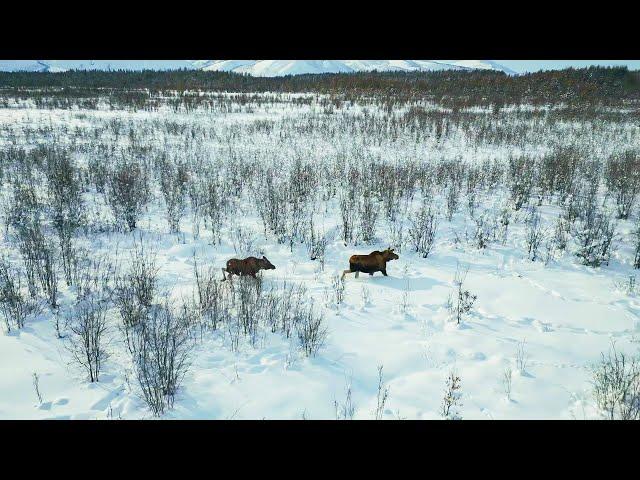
(63, 65)
(259, 68)
(275, 68)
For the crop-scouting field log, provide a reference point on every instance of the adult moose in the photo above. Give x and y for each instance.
(249, 266)
(374, 262)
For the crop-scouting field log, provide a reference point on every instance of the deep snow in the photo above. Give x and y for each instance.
(565, 313)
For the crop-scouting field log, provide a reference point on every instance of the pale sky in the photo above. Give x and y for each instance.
(521, 66)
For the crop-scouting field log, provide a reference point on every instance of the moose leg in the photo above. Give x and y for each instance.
(345, 272)
(384, 272)
(357, 274)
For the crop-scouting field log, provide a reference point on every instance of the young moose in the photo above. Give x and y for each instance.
(374, 262)
(249, 266)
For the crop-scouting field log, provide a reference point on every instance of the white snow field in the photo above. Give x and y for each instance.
(559, 314)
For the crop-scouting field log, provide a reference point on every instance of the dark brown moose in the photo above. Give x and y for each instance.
(249, 266)
(374, 262)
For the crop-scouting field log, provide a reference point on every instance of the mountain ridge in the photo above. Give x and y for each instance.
(259, 68)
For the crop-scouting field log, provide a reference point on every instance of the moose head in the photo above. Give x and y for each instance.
(388, 255)
(265, 264)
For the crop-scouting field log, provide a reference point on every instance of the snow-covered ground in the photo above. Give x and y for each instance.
(561, 314)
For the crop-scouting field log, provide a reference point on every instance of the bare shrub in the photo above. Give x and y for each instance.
(337, 283)
(143, 274)
(507, 379)
(461, 301)
(347, 409)
(484, 230)
(135, 291)
(594, 235)
(161, 351)
(561, 233)
(347, 217)
(521, 173)
(244, 241)
(247, 301)
(452, 397)
(452, 200)
(311, 330)
(128, 193)
(197, 200)
(616, 386)
(65, 193)
(368, 211)
(522, 357)
(87, 344)
(48, 273)
(173, 185)
(38, 255)
(216, 204)
(636, 259)
(14, 306)
(535, 234)
(36, 386)
(211, 299)
(382, 396)
(316, 246)
(94, 275)
(423, 230)
(622, 176)
(504, 220)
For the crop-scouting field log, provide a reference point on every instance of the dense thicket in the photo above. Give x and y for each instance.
(594, 85)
